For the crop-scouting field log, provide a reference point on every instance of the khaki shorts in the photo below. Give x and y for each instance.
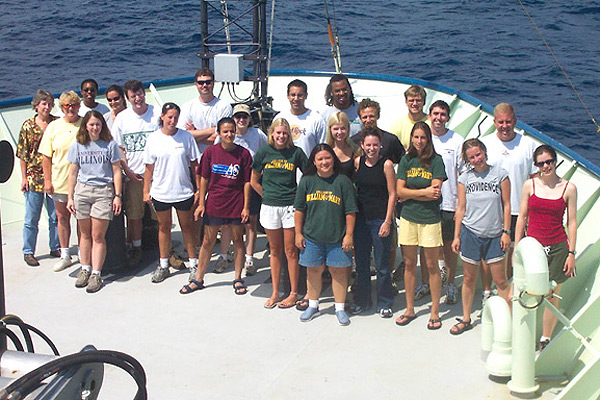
(424, 235)
(93, 201)
(133, 200)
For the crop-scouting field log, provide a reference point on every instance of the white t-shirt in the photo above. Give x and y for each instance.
(130, 132)
(516, 157)
(101, 108)
(355, 124)
(253, 140)
(308, 129)
(449, 146)
(171, 156)
(203, 115)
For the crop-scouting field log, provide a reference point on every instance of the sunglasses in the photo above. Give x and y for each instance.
(118, 98)
(70, 105)
(540, 164)
(202, 83)
(88, 90)
(241, 116)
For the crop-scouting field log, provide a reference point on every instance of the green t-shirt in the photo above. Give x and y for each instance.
(325, 203)
(417, 177)
(278, 169)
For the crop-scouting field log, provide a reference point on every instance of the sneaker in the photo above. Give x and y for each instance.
(386, 313)
(160, 274)
(543, 343)
(309, 314)
(451, 293)
(421, 291)
(444, 274)
(221, 265)
(62, 264)
(342, 317)
(251, 269)
(193, 271)
(135, 257)
(83, 277)
(94, 284)
(176, 262)
(356, 309)
(31, 260)
(229, 256)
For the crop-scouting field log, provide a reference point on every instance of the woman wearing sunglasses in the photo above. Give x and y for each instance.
(543, 203)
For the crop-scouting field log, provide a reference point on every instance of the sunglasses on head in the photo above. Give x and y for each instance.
(540, 164)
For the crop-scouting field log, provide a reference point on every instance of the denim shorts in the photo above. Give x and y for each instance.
(330, 254)
(474, 248)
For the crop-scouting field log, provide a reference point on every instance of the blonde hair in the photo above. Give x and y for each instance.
(340, 118)
(68, 98)
(504, 108)
(280, 122)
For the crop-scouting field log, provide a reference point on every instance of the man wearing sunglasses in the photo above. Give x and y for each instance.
(513, 152)
(200, 115)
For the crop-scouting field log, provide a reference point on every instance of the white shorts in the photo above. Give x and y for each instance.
(275, 217)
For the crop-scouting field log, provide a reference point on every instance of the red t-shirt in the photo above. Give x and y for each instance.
(227, 172)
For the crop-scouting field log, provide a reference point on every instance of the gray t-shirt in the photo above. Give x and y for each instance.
(483, 214)
(95, 161)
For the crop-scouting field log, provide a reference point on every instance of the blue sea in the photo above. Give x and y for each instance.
(488, 49)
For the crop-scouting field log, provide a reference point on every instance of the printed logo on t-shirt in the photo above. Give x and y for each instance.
(324, 195)
(483, 187)
(230, 171)
(94, 157)
(418, 172)
(280, 164)
(135, 142)
(297, 131)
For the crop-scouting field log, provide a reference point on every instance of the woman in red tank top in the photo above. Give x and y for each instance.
(543, 203)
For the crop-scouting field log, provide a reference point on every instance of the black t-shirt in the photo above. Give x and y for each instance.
(391, 148)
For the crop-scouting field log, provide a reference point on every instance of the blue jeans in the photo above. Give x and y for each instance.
(33, 211)
(366, 236)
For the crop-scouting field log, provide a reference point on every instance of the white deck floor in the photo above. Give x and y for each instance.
(213, 344)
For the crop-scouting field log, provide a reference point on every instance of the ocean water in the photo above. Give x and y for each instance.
(487, 49)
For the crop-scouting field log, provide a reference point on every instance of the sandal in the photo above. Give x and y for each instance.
(405, 319)
(434, 324)
(461, 327)
(240, 289)
(302, 305)
(189, 289)
(270, 305)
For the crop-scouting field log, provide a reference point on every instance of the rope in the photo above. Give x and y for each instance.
(333, 38)
(271, 37)
(560, 66)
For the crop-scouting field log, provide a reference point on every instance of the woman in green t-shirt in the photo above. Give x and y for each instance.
(277, 164)
(420, 176)
(324, 221)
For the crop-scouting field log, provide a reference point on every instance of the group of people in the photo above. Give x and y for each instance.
(328, 186)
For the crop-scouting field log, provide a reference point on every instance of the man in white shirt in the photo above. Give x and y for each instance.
(513, 152)
(447, 144)
(89, 91)
(339, 97)
(200, 115)
(308, 128)
(130, 129)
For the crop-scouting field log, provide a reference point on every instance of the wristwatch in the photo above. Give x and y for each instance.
(507, 231)
(119, 195)
(572, 252)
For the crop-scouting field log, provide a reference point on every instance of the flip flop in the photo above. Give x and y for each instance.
(432, 324)
(302, 304)
(407, 319)
(283, 304)
(241, 289)
(186, 289)
(270, 306)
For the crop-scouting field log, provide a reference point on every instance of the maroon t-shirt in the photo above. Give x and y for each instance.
(227, 172)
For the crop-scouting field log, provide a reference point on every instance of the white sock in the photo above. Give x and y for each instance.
(544, 338)
(486, 293)
(249, 258)
(87, 268)
(137, 243)
(64, 252)
(339, 307)
(164, 263)
(193, 262)
(441, 264)
(313, 303)
(96, 272)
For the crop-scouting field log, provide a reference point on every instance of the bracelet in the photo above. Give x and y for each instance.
(389, 223)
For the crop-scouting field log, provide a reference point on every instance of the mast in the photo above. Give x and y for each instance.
(246, 34)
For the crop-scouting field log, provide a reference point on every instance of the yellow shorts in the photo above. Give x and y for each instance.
(424, 235)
